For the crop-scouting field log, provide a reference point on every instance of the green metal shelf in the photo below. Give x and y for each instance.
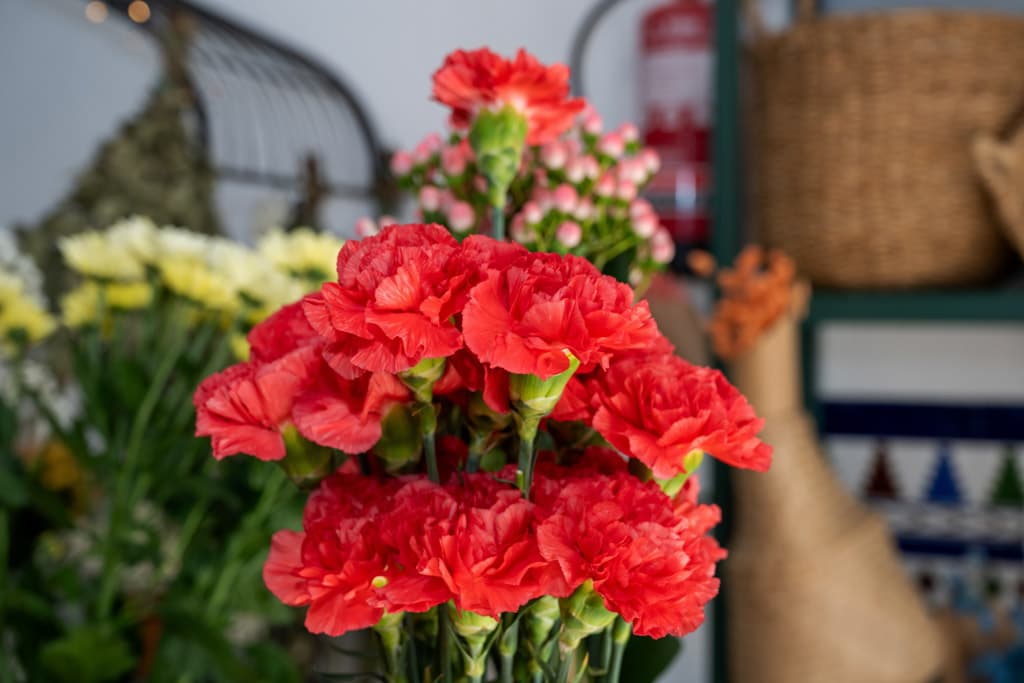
(995, 305)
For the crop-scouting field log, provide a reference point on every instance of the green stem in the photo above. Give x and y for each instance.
(564, 666)
(444, 629)
(606, 651)
(507, 647)
(621, 631)
(527, 457)
(498, 222)
(109, 580)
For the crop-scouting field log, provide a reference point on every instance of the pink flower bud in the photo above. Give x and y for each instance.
(401, 163)
(446, 199)
(565, 198)
(639, 207)
(663, 249)
(605, 186)
(629, 132)
(612, 145)
(430, 198)
(519, 231)
(632, 170)
(426, 148)
(626, 191)
(652, 162)
(636, 276)
(645, 225)
(461, 216)
(386, 220)
(576, 170)
(592, 124)
(480, 184)
(591, 167)
(453, 160)
(542, 197)
(584, 210)
(531, 213)
(569, 234)
(572, 147)
(365, 227)
(553, 155)
(540, 177)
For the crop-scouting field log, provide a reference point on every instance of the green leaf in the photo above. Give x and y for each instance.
(88, 655)
(647, 658)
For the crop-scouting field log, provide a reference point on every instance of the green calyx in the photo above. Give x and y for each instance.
(498, 138)
(476, 632)
(691, 462)
(533, 397)
(400, 441)
(421, 378)
(583, 614)
(305, 462)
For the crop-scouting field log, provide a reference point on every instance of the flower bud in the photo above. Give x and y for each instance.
(565, 198)
(626, 191)
(453, 160)
(421, 377)
(639, 207)
(519, 230)
(366, 227)
(652, 162)
(531, 213)
(553, 155)
(386, 220)
(605, 186)
(461, 216)
(497, 139)
(584, 210)
(401, 163)
(612, 145)
(569, 234)
(591, 167)
(629, 132)
(592, 123)
(576, 170)
(632, 170)
(645, 225)
(663, 249)
(430, 198)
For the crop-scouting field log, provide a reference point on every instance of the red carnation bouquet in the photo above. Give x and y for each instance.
(499, 444)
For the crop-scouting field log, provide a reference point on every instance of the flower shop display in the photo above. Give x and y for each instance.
(499, 445)
(521, 153)
(480, 400)
(126, 552)
(815, 582)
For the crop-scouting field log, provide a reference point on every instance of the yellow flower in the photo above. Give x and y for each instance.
(128, 296)
(138, 235)
(93, 254)
(197, 282)
(178, 243)
(302, 252)
(239, 346)
(22, 319)
(260, 288)
(82, 305)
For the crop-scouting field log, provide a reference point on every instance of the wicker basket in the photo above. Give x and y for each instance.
(860, 129)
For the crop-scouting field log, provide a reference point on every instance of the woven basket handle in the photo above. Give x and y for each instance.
(806, 11)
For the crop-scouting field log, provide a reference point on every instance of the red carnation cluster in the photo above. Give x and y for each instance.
(469, 81)
(370, 545)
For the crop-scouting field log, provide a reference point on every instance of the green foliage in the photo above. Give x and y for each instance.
(93, 654)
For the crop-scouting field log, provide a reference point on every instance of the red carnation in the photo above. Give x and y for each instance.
(647, 559)
(660, 409)
(522, 319)
(336, 563)
(284, 331)
(484, 551)
(244, 408)
(394, 300)
(480, 79)
(346, 413)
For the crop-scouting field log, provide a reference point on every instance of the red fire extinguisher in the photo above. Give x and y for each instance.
(675, 86)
